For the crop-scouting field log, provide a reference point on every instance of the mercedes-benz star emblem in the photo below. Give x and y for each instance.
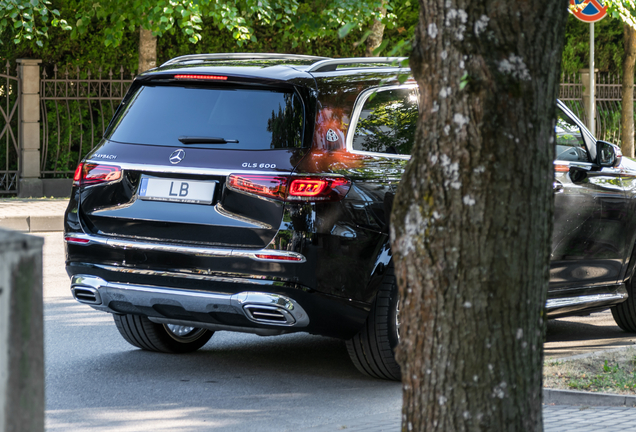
(177, 156)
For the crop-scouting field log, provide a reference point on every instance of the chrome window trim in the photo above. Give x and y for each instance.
(357, 110)
(194, 250)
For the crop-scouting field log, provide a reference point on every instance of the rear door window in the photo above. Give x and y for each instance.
(258, 119)
(387, 122)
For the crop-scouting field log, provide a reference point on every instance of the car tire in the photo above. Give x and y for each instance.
(139, 331)
(372, 350)
(625, 313)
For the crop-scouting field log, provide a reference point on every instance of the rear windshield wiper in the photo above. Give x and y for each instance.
(205, 140)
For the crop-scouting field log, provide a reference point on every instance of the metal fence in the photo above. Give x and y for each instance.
(9, 131)
(76, 108)
(608, 103)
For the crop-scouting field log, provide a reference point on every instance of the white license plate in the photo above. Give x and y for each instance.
(177, 190)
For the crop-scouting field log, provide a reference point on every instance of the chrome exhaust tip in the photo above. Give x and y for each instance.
(87, 295)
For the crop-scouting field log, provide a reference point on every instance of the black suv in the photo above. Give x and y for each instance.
(252, 193)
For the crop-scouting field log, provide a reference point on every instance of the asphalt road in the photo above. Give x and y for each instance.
(573, 336)
(95, 381)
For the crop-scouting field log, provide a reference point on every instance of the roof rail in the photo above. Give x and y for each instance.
(330, 65)
(242, 56)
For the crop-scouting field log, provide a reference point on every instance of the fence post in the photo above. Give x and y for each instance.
(30, 182)
(21, 333)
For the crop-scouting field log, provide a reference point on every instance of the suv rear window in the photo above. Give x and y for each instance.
(258, 119)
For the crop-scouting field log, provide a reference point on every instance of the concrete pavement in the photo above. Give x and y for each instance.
(563, 410)
(33, 214)
(556, 418)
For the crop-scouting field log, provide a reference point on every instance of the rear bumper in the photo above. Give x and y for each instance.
(164, 303)
(253, 305)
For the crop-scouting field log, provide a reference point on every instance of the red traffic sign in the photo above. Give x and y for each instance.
(588, 10)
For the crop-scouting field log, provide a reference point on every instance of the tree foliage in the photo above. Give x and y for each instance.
(293, 20)
(29, 19)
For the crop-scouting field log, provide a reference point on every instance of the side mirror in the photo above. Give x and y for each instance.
(608, 155)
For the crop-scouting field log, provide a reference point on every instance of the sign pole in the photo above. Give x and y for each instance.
(590, 11)
(592, 108)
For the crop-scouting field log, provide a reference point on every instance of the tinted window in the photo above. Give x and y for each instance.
(258, 119)
(387, 122)
(570, 145)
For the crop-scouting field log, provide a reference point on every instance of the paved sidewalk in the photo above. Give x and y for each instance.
(563, 410)
(33, 214)
(556, 418)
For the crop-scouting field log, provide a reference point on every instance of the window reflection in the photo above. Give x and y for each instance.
(387, 122)
(570, 145)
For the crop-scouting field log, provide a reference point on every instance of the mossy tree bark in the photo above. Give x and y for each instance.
(627, 112)
(147, 50)
(374, 40)
(472, 219)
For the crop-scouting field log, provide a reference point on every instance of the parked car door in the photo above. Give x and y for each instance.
(588, 245)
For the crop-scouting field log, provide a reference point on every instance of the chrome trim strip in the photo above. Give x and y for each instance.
(358, 105)
(194, 250)
(616, 297)
(184, 169)
(195, 301)
(184, 274)
(221, 210)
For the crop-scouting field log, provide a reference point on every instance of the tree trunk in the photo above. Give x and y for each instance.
(627, 112)
(374, 40)
(472, 219)
(147, 50)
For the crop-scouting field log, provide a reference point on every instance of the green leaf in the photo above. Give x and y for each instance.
(383, 45)
(55, 12)
(463, 81)
(39, 43)
(345, 30)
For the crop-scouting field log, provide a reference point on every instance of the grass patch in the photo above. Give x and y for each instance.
(613, 372)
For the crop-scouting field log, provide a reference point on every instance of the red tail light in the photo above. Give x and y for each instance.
(292, 188)
(278, 257)
(268, 186)
(90, 173)
(203, 77)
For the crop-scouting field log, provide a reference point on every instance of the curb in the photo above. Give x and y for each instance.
(33, 223)
(574, 397)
